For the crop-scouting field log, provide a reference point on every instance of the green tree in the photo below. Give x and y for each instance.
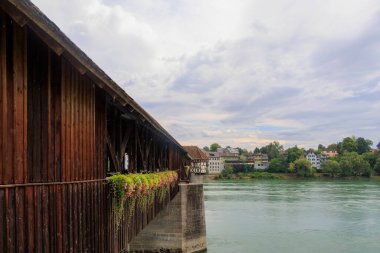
(349, 144)
(378, 146)
(377, 166)
(205, 148)
(303, 167)
(291, 168)
(294, 153)
(339, 148)
(242, 151)
(331, 167)
(353, 164)
(273, 150)
(278, 165)
(321, 147)
(243, 158)
(214, 147)
(228, 170)
(332, 147)
(370, 158)
(256, 151)
(363, 145)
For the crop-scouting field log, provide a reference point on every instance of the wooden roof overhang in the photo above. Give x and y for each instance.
(24, 12)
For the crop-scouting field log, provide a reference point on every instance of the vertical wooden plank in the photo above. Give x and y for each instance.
(8, 137)
(3, 238)
(59, 211)
(56, 130)
(10, 219)
(70, 221)
(45, 218)
(65, 218)
(69, 121)
(29, 198)
(87, 218)
(88, 132)
(49, 116)
(3, 78)
(85, 133)
(57, 121)
(93, 217)
(80, 133)
(20, 219)
(52, 212)
(43, 79)
(97, 197)
(63, 121)
(25, 109)
(74, 146)
(38, 219)
(19, 80)
(72, 125)
(81, 210)
(75, 217)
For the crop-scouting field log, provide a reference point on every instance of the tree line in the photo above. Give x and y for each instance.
(355, 157)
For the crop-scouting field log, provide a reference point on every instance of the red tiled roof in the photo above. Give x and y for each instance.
(195, 153)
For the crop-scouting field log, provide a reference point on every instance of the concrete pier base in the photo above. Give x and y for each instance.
(180, 227)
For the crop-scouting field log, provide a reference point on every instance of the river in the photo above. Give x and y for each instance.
(265, 216)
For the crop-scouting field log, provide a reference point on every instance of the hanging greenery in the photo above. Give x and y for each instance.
(139, 189)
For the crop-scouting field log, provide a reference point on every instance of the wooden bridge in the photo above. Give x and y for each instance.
(64, 126)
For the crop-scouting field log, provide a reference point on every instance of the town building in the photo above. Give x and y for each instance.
(215, 165)
(316, 160)
(226, 154)
(261, 161)
(313, 159)
(199, 159)
(322, 158)
(330, 153)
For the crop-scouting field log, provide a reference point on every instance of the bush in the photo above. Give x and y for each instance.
(332, 168)
(291, 168)
(278, 165)
(264, 175)
(353, 164)
(303, 167)
(228, 170)
(377, 165)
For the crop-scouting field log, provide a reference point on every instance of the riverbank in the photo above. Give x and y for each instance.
(280, 176)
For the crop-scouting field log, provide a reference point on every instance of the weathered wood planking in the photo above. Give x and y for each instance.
(54, 122)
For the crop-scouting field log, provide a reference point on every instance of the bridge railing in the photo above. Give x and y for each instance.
(134, 217)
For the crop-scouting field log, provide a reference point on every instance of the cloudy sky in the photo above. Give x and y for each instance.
(238, 72)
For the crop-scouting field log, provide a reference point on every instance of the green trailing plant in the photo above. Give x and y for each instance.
(138, 189)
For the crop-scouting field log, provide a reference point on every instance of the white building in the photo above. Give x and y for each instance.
(316, 160)
(215, 164)
(261, 161)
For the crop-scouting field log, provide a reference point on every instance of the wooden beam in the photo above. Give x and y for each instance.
(115, 161)
(124, 143)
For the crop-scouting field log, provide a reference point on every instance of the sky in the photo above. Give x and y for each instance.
(241, 73)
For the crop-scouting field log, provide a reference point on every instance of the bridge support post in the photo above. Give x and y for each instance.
(180, 227)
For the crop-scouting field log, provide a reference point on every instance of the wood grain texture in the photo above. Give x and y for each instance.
(55, 124)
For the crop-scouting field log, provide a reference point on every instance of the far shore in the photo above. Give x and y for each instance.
(281, 176)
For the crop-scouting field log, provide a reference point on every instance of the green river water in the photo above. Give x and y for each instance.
(265, 216)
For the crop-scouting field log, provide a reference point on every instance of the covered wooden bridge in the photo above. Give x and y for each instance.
(64, 126)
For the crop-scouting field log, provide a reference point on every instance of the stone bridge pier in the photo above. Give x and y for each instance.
(180, 227)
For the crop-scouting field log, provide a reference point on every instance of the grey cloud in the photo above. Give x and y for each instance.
(263, 84)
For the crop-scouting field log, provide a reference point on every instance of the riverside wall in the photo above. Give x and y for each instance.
(180, 227)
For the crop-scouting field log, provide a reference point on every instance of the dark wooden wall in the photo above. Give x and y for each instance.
(54, 126)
